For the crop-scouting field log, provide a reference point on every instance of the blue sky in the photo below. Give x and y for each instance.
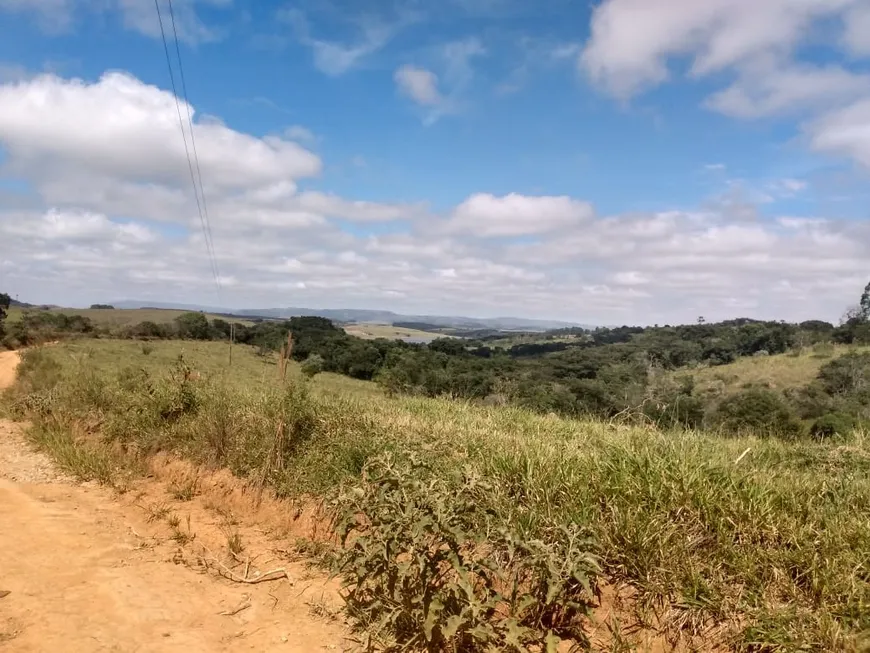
(629, 161)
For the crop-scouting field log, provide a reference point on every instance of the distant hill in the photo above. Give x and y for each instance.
(372, 316)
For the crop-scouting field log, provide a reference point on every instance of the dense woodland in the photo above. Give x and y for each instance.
(635, 373)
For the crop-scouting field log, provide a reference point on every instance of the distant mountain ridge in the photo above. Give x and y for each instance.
(366, 315)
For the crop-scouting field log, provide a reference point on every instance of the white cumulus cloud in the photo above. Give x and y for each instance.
(856, 36)
(844, 131)
(121, 127)
(486, 215)
(632, 40)
(767, 89)
(419, 84)
(760, 45)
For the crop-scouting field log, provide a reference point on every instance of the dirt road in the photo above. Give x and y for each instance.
(85, 569)
(8, 363)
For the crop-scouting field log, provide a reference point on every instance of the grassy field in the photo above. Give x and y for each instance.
(121, 317)
(780, 372)
(531, 339)
(717, 544)
(211, 361)
(370, 331)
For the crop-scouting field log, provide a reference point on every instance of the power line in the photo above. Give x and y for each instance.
(206, 231)
(192, 137)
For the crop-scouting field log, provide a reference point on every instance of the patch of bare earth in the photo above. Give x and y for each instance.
(8, 365)
(86, 569)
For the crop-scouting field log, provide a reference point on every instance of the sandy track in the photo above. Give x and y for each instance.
(8, 364)
(86, 570)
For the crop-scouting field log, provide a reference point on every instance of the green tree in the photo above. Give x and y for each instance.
(864, 306)
(5, 301)
(221, 328)
(149, 329)
(449, 346)
(193, 325)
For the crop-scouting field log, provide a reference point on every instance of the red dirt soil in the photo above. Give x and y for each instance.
(84, 568)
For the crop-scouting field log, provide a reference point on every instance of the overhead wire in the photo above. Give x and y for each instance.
(192, 136)
(198, 188)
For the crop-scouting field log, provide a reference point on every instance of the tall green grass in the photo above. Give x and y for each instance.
(745, 543)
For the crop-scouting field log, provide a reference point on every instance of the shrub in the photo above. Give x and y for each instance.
(848, 375)
(313, 365)
(38, 376)
(4, 307)
(594, 398)
(679, 411)
(757, 412)
(670, 403)
(832, 424)
(823, 350)
(426, 568)
(37, 326)
(38, 370)
(547, 397)
(810, 401)
(178, 395)
(148, 329)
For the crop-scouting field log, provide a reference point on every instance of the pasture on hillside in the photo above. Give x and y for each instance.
(611, 535)
(114, 318)
(370, 331)
(781, 372)
(250, 369)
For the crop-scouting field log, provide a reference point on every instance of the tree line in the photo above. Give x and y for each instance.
(641, 373)
(638, 373)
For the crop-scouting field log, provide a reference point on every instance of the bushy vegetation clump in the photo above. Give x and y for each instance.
(313, 365)
(5, 300)
(757, 411)
(832, 425)
(35, 327)
(431, 568)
